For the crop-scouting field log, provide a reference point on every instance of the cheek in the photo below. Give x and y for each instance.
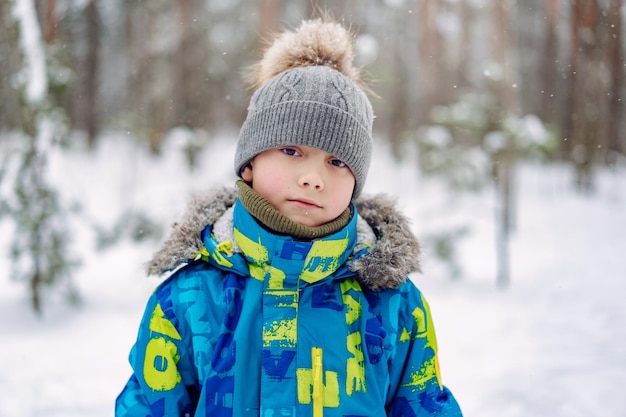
(347, 185)
(345, 199)
(343, 192)
(268, 183)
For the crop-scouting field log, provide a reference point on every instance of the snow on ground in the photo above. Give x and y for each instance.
(553, 344)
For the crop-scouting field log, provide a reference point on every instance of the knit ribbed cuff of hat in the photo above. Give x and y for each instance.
(264, 212)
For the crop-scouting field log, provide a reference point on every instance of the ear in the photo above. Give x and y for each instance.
(246, 174)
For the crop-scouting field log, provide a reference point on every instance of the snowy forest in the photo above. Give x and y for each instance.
(474, 86)
(149, 67)
(500, 129)
(461, 81)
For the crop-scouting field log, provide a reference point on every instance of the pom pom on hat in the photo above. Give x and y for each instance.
(315, 43)
(308, 93)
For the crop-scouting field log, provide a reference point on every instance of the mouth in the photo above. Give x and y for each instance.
(305, 203)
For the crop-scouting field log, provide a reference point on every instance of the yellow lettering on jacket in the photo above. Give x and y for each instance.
(425, 326)
(283, 332)
(160, 324)
(159, 368)
(426, 329)
(427, 372)
(276, 279)
(355, 379)
(323, 259)
(256, 251)
(353, 306)
(355, 365)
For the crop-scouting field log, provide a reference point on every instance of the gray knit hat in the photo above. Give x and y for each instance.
(309, 96)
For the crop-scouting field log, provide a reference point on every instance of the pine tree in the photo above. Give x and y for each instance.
(473, 144)
(39, 250)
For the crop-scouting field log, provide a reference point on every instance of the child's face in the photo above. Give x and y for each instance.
(307, 185)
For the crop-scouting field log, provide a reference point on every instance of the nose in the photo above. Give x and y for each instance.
(311, 179)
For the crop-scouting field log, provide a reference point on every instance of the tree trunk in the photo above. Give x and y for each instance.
(587, 129)
(570, 85)
(504, 162)
(503, 195)
(269, 22)
(547, 65)
(502, 44)
(182, 90)
(91, 68)
(615, 126)
(433, 82)
(466, 38)
(50, 34)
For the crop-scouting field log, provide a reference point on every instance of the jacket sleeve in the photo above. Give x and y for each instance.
(163, 382)
(416, 387)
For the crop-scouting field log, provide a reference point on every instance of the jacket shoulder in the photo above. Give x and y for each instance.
(185, 239)
(396, 251)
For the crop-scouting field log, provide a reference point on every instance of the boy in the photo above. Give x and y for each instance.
(290, 295)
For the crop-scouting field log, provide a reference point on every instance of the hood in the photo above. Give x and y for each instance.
(393, 255)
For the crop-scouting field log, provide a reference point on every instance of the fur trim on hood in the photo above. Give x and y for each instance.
(393, 256)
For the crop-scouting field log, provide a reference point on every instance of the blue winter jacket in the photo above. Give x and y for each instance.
(260, 324)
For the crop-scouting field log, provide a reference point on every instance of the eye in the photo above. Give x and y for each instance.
(290, 151)
(338, 163)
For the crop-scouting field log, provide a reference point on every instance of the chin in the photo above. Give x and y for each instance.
(307, 221)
